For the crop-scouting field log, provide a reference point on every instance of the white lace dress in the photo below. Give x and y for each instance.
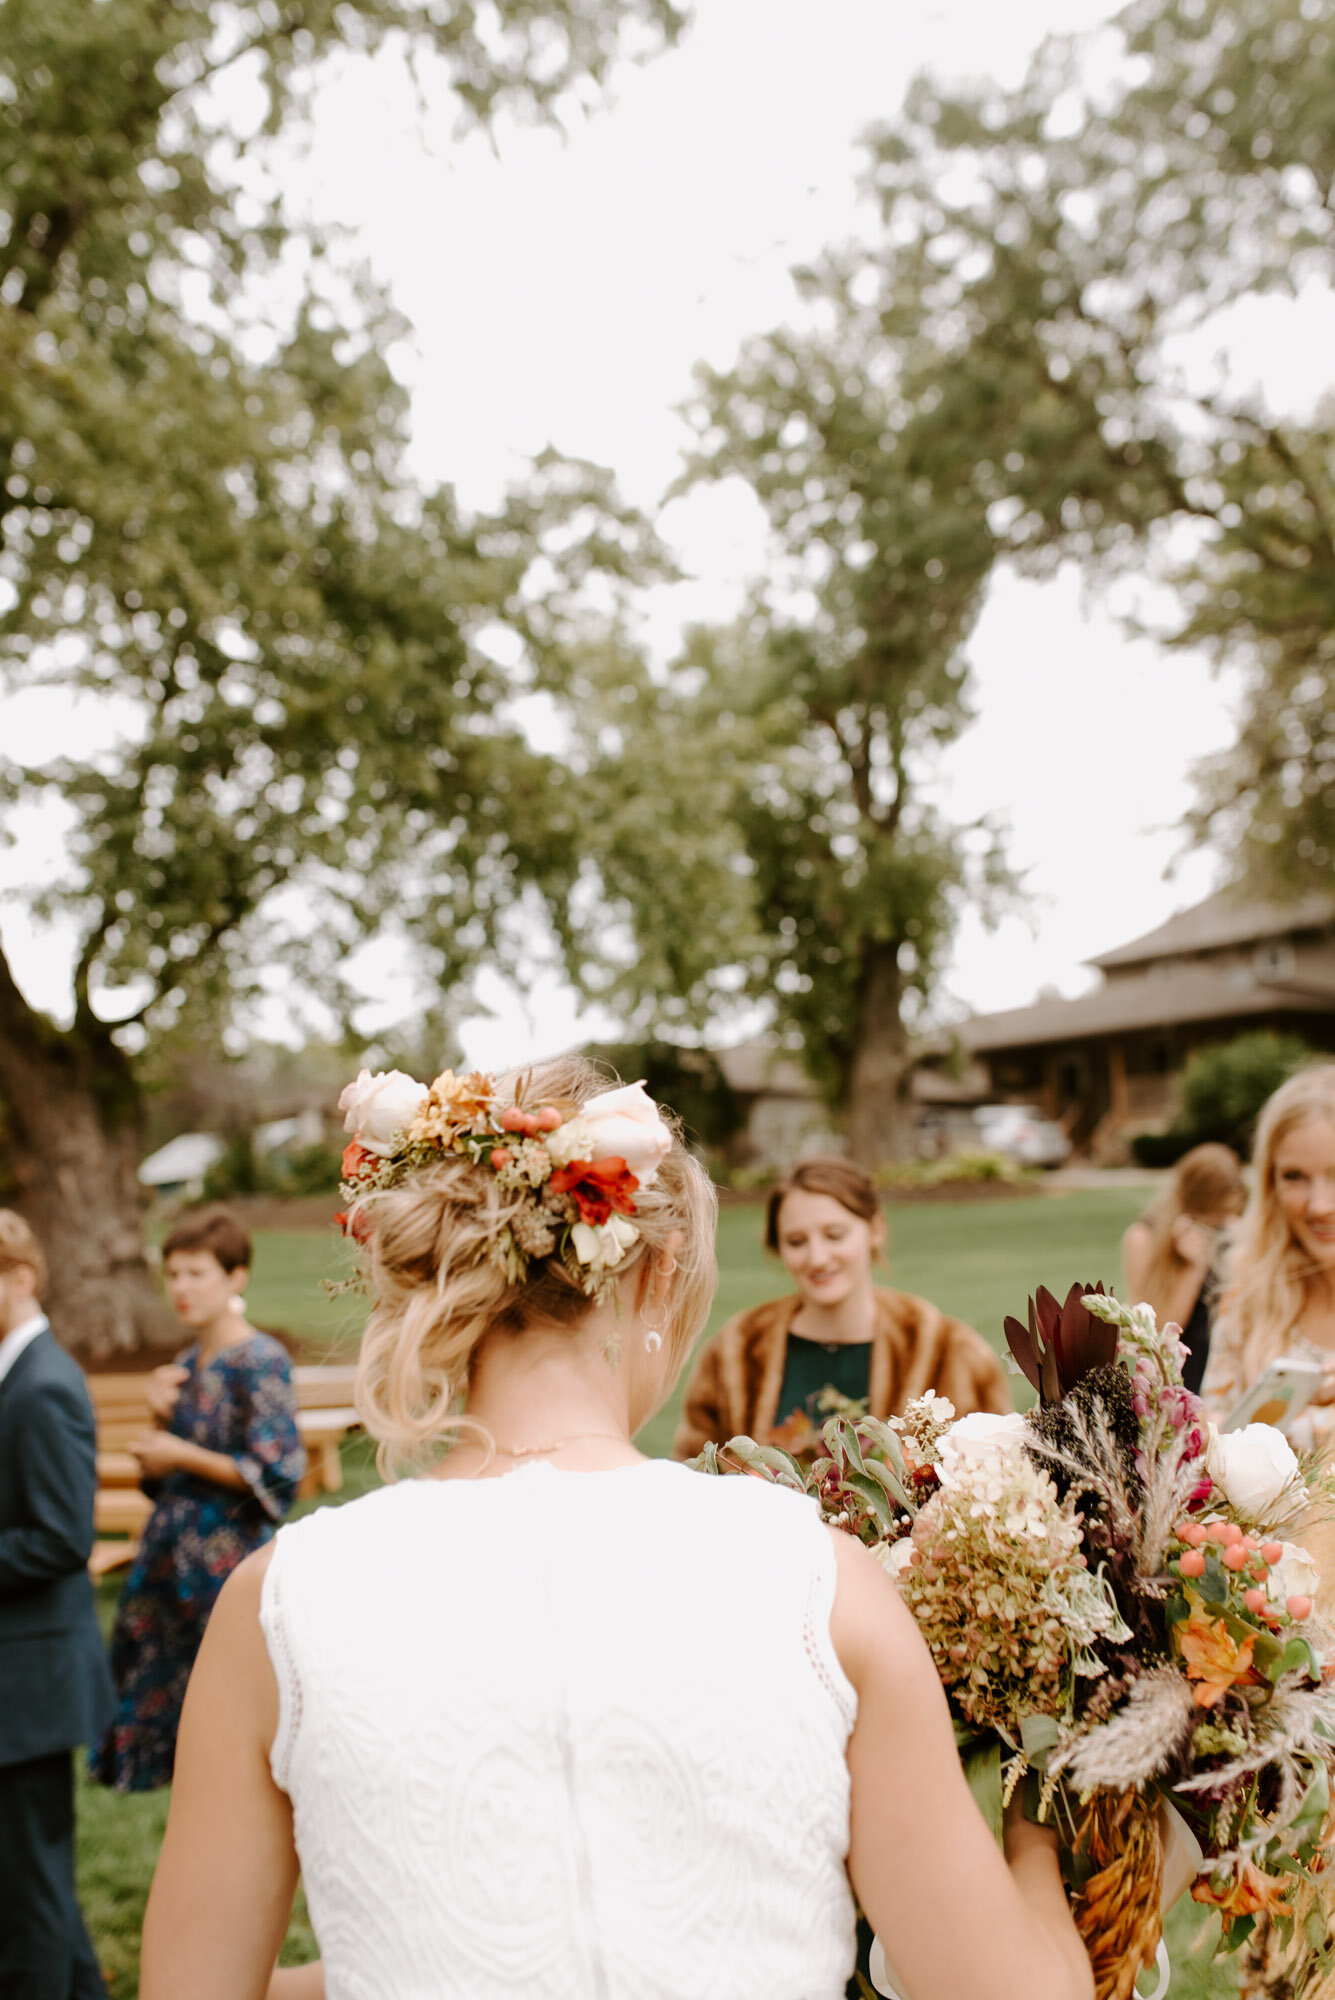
(571, 1735)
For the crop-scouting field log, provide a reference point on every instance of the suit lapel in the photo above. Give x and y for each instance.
(24, 1362)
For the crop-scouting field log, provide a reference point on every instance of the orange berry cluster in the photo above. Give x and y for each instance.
(1247, 1558)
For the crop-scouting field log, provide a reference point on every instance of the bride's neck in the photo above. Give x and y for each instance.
(537, 1388)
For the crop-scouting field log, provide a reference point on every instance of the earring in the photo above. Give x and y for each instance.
(237, 1302)
(653, 1340)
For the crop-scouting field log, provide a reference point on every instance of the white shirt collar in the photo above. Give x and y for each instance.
(15, 1341)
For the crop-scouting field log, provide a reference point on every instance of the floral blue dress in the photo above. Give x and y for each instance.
(241, 1403)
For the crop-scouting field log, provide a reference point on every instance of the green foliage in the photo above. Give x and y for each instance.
(309, 1170)
(1050, 245)
(237, 1170)
(1223, 1091)
(1224, 1088)
(241, 1170)
(954, 1170)
(785, 760)
(207, 521)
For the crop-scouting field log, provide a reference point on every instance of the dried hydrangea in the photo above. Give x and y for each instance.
(922, 1424)
(533, 1231)
(1002, 1592)
(530, 1164)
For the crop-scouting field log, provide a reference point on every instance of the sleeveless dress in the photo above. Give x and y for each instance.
(566, 1736)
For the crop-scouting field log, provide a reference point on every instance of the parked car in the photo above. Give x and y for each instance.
(1022, 1134)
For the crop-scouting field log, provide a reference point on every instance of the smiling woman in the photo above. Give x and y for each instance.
(838, 1338)
(1280, 1296)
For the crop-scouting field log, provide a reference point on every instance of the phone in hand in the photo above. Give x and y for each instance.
(1279, 1392)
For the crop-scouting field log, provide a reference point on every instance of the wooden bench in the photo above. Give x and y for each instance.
(325, 1416)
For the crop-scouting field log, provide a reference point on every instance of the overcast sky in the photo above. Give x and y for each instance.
(560, 290)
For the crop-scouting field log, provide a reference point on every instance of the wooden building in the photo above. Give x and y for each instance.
(1108, 1063)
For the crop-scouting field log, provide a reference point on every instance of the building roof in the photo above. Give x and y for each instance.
(1227, 918)
(758, 1069)
(1154, 1001)
(186, 1158)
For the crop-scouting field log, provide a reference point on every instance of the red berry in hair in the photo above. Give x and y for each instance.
(1272, 1551)
(513, 1119)
(1230, 1534)
(1191, 1563)
(1235, 1556)
(501, 1156)
(548, 1118)
(1298, 1608)
(1255, 1600)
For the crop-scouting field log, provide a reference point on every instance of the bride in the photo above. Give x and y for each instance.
(556, 1719)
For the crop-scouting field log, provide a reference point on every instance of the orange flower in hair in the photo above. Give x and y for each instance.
(598, 1187)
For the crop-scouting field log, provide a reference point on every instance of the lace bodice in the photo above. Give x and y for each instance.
(570, 1735)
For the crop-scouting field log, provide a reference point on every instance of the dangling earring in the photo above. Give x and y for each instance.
(653, 1340)
(237, 1302)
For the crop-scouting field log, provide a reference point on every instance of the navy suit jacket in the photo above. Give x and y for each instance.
(55, 1685)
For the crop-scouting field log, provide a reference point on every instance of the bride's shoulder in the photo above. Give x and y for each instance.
(752, 1504)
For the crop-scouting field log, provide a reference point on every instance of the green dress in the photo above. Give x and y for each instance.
(813, 1366)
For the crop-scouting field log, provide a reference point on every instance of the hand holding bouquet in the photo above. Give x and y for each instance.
(1110, 1595)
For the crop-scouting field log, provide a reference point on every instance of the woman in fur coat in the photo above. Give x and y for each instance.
(837, 1339)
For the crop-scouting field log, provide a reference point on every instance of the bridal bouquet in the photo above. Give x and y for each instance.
(1119, 1618)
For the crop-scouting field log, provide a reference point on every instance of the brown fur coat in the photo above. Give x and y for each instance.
(735, 1383)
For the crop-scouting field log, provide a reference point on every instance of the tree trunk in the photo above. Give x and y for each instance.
(72, 1115)
(880, 1111)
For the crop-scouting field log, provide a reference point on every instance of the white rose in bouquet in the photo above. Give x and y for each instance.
(1253, 1468)
(624, 1124)
(980, 1435)
(894, 1557)
(1294, 1575)
(381, 1107)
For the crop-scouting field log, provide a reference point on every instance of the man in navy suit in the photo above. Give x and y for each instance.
(55, 1687)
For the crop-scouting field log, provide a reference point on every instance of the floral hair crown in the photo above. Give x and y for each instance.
(580, 1165)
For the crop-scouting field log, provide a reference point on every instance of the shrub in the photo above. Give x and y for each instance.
(1223, 1090)
(954, 1169)
(1161, 1149)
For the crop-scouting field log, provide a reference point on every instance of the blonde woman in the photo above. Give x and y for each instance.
(1280, 1299)
(554, 1719)
(1170, 1256)
(1280, 1285)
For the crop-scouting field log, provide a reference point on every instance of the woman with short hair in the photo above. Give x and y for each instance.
(554, 1721)
(222, 1468)
(838, 1338)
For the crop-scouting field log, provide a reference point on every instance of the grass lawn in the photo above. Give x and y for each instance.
(975, 1259)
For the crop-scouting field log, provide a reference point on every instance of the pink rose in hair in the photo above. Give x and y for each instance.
(625, 1125)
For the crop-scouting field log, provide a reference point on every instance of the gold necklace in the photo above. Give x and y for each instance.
(542, 1450)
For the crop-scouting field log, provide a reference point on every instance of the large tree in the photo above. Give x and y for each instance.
(1071, 250)
(770, 834)
(207, 526)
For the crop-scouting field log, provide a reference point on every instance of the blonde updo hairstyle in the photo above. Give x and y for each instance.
(440, 1289)
(1268, 1270)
